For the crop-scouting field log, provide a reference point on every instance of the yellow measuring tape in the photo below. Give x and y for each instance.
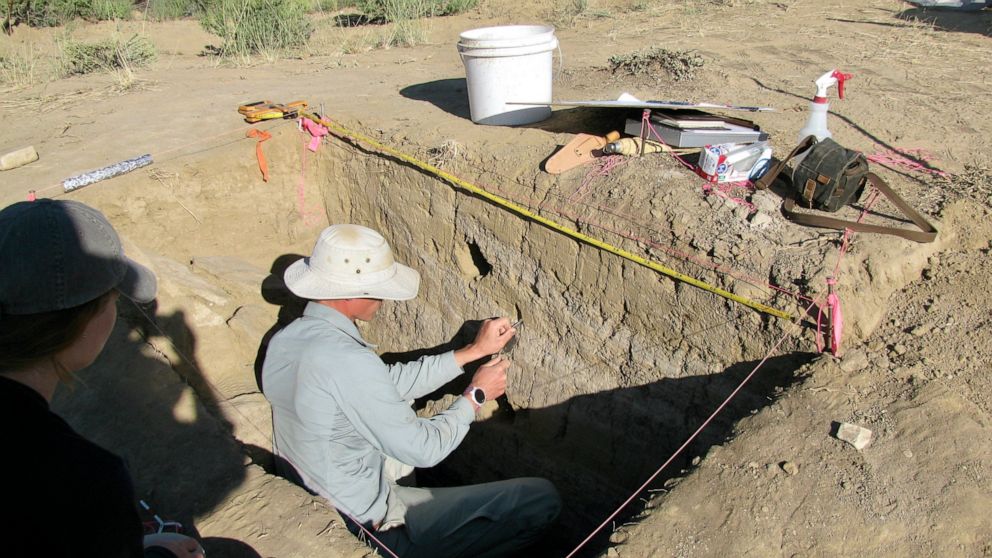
(355, 136)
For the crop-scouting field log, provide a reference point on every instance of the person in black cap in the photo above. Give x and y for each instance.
(61, 270)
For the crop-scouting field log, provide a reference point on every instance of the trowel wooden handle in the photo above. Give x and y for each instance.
(612, 136)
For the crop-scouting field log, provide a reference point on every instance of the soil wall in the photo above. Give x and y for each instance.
(615, 363)
(615, 366)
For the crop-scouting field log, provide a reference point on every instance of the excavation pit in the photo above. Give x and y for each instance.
(616, 364)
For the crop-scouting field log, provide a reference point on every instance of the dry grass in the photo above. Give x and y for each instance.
(109, 55)
(42, 103)
(444, 153)
(678, 65)
(21, 67)
(253, 27)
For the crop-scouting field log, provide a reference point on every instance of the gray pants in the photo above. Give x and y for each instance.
(481, 520)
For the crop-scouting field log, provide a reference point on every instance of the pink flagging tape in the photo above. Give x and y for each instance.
(907, 158)
(729, 191)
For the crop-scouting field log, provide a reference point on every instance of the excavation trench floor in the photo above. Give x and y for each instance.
(617, 364)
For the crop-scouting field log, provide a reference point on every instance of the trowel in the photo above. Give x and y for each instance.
(581, 150)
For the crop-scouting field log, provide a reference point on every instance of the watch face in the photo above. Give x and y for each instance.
(479, 396)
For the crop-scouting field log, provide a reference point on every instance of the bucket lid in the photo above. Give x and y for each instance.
(507, 36)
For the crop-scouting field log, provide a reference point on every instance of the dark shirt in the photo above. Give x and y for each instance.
(60, 494)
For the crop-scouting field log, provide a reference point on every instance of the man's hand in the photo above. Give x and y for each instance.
(180, 545)
(494, 334)
(491, 377)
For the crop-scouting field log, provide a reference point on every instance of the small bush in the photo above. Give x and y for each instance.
(49, 13)
(45, 13)
(18, 68)
(253, 26)
(680, 65)
(110, 9)
(400, 10)
(329, 5)
(161, 10)
(106, 55)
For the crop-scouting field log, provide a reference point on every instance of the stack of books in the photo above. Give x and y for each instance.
(695, 128)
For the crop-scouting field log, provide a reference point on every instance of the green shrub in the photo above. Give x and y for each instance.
(110, 9)
(400, 10)
(161, 10)
(48, 13)
(106, 55)
(253, 26)
(329, 5)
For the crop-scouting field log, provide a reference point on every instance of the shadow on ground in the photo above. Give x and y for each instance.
(451, 96)
(958, 21)
(182, 458)
(598, 448)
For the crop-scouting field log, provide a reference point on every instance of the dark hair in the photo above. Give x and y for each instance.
(32, 338)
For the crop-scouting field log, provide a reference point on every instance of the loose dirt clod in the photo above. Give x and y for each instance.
(857, 436)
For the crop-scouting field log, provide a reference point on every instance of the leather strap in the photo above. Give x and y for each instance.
(927, 232)
(765, 181)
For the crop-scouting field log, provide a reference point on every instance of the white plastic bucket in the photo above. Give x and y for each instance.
(508, 63)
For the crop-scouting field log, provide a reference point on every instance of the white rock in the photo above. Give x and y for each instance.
(178, 280)
(857, 436)
(18, 158)
(854, 360)
(766, 201)
(232, 270)
(761, 220)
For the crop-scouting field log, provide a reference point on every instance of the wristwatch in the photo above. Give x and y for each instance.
(476, 395)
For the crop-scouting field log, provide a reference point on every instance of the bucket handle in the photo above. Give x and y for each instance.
(561, 60)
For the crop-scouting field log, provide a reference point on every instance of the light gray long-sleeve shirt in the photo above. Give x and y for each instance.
(338, 410)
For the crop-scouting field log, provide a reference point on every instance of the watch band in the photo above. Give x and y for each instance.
(476, 395)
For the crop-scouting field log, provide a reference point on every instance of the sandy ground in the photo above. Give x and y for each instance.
(916, 373)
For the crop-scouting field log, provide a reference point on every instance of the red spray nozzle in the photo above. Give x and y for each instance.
(841, 77)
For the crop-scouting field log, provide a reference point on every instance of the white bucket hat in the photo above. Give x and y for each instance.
(351, 261)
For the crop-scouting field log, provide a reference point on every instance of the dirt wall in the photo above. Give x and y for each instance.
(616, 364)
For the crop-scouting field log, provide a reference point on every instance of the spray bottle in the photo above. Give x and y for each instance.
(818, 107)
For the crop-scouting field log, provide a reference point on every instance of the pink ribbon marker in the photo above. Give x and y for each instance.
(835, 320)
(317, 131)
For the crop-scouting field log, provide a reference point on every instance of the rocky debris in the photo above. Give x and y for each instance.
(766, 202)
(789, 467)
(854, 361)
(858, 436)
(761, 220)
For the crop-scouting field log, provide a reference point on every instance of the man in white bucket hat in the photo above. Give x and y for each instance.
(343, 423)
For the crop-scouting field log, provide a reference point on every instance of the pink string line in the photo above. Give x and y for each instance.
(604, 166)
(726, 190)
(899, 157)
(835, 277)
(686, 256)
(158, 156)
(310, 217)
(688, 441)
(723, 191)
